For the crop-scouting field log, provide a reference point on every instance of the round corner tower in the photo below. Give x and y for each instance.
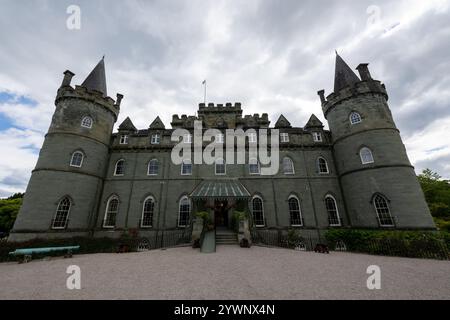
(64, 189)
(378, 181)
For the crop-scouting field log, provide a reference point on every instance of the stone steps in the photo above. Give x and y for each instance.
(228, 237)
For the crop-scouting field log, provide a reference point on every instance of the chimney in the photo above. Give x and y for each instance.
(119, 99)
(321, 94)
(364, 72)
(67, 78)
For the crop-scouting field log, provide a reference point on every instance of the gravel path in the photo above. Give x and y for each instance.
(230, 273)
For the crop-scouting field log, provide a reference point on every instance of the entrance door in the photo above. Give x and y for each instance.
(221, 213)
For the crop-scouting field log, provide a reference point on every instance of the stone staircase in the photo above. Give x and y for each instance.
(226, 236)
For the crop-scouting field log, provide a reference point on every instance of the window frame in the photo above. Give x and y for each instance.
(149, 165)
(58, 211)
(367, 151)
(256, 197)
(155, 138)
(183, 163)
(338, 217)
(293, 197)
(123, 168)
(180, 203)
(250, 165)
(108, 211)
(358, 118)
(222, 164)
(219, 138)
(389, 215)
(291, 164)
(252, 137)
(187, 138)
(317, 136)
(149, 198)
(284, 137)
(123, 139)
(72, 159)
(319, 167)
(91, 122)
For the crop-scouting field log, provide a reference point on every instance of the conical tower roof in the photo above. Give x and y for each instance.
(96, 80)
(344, 76)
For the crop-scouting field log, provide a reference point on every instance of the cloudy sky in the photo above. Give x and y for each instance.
(273, 56)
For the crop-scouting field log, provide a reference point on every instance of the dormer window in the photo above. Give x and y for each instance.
(86, 122)
(317, 136)
(284, 137)
(124, 139)
(156, 138)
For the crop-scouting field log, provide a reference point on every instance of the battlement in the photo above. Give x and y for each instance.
(97, 97)
(220, 107)
(369, 86)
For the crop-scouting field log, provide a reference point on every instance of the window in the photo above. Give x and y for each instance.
(220, 167)
(355, 118)
(253, 166)
(62, 214)
(77, 159)
(294, 212)
(333, 214)
(288, 166)
(86, 122)
(124, 139)
(153, 167)
(184, 212)
(322, 166)
(147, 213)
(156, 138)
(317, 136)
(120, 168)
(252, 137)
(112, 209)
(383, 212)
(186, 167)
(187, 138)
(284, 137)
(258, 212)
(219, 138)
(366, 155)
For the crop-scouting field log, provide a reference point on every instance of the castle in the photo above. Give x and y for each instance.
(89, 181)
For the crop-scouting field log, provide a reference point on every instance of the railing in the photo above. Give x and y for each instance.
(276, 238)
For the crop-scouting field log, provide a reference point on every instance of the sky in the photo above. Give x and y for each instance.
(270, 55)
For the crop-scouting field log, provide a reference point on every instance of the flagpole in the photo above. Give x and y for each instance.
(204, 82)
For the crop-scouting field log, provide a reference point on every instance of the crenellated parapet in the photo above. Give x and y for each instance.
(255, 120)
(184, 121)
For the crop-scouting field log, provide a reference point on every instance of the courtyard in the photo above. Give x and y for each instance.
(230, 273)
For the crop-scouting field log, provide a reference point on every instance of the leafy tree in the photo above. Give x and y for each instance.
(9, 208)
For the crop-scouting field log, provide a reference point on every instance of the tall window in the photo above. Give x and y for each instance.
(333, 213)
(383, 212)
(187, 138)
(156, 138)
(294, 212)
(77, 159)
(253, 166)
(355, 118)
(184, 212)
(62, 214)
(317, 137)
(284, 137)
(258, 212)
(186, 167)
(219, 138)
(153, 167)
(86, 122)
(220, 167)
(123, 139)
(288, 166)
(322, 166)
(147, 213)
(252, 137)
(366, 155)
(112, 209)
(119, 170)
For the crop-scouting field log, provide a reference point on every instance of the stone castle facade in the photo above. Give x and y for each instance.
(89, 181)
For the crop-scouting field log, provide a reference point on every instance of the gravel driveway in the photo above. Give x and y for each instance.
(230, 273)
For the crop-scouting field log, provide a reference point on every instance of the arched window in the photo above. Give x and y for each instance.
(62, 214)
(332, 210)
(366, 155)
(119, 170)
(253, 166)
(288, 166)
(258, 212)
(184, 212)
(86, 122)
(294, 212)
(186, 167)
(112, 209)
(383, 212)
(220, 167)
(147, 213)
(77, 159)
(355, 118)
(153, 167)
(322, 165)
